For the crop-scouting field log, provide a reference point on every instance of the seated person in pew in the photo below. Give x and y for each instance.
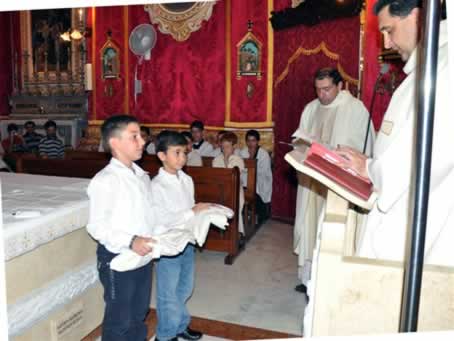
(149, 147)
(14, 143)
(204, 148)
(228, 159)
(217, 150)
(50, 146)
(264, 176)
(172, 191)
(193, 158)
(31, 137)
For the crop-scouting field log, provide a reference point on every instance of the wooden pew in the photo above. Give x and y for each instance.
(249, 194)
(86, 155)
(57, 167)
(216, 185)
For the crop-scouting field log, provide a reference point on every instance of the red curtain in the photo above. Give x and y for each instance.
(110, 93)
(297, 89)
(372, 48)
(6, 60)
(243, 108)
(183, 81)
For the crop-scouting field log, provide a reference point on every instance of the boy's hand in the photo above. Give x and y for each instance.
(141, 245)
(201, 206)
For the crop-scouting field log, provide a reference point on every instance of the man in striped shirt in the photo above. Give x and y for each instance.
(51, 147)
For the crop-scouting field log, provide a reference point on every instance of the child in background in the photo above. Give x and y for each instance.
(264, 185)
(173, 193)
(193, 158)
(204, 148)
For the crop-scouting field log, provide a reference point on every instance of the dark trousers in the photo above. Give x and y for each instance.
(263, 209)
(127, 297)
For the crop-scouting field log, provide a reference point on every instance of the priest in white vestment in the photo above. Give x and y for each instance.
(384, 235)
(334, 118)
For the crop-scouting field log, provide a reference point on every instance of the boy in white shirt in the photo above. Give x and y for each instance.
(264, 185)
(173, 192)
(121, 217)
(200, 145)
(193, 158)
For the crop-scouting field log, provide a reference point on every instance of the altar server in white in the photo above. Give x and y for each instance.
(121, 217)
(334, 118)
(172, 190)
(203, 147)
(391, 169)
(264, 185)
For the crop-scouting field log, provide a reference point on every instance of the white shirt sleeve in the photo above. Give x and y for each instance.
(102, 196)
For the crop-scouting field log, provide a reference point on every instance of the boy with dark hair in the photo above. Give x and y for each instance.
(264, 175)
(204, 148)
(173, 192)
(14, 142)
(31, 137)
(193, 158)
(119, 219)
(122, 217)
(50, 146)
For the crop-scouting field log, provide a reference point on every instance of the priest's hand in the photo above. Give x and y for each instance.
(354, 160)
(141, 245)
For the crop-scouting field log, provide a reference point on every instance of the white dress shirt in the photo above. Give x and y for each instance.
(151, 149)
(205, 149)
(194, 159)
(264, 186)
(121, 206)
(173, 195)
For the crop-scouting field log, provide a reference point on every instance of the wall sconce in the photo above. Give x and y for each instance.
(71, 35)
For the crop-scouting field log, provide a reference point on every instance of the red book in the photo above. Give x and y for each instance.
(326, 162)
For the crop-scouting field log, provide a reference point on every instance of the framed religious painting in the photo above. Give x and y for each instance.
(110, 60)
(249, 52)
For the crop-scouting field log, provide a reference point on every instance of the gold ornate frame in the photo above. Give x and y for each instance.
(244, 67)
(77, 59)
(110, 64)
(180, 22)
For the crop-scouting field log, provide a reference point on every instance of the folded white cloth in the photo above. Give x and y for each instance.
(174, 241)
(200, 223)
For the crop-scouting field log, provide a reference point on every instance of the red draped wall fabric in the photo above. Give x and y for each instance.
(183, 81)
(372, 48)
(110, 93)
(296, 90)
(6, 61)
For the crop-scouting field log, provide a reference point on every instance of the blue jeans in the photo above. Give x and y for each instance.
(127, 297)
(174, 286)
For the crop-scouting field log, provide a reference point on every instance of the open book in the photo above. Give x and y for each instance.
(321, 164)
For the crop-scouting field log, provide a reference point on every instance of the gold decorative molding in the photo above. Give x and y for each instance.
(307, 52)
(269, 85)
(180, 19)
(93, 135)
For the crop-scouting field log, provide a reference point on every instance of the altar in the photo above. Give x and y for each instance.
(52, 286)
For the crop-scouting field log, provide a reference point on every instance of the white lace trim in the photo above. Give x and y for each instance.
(39, 303)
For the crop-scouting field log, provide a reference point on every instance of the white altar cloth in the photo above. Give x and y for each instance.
(61, 203)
